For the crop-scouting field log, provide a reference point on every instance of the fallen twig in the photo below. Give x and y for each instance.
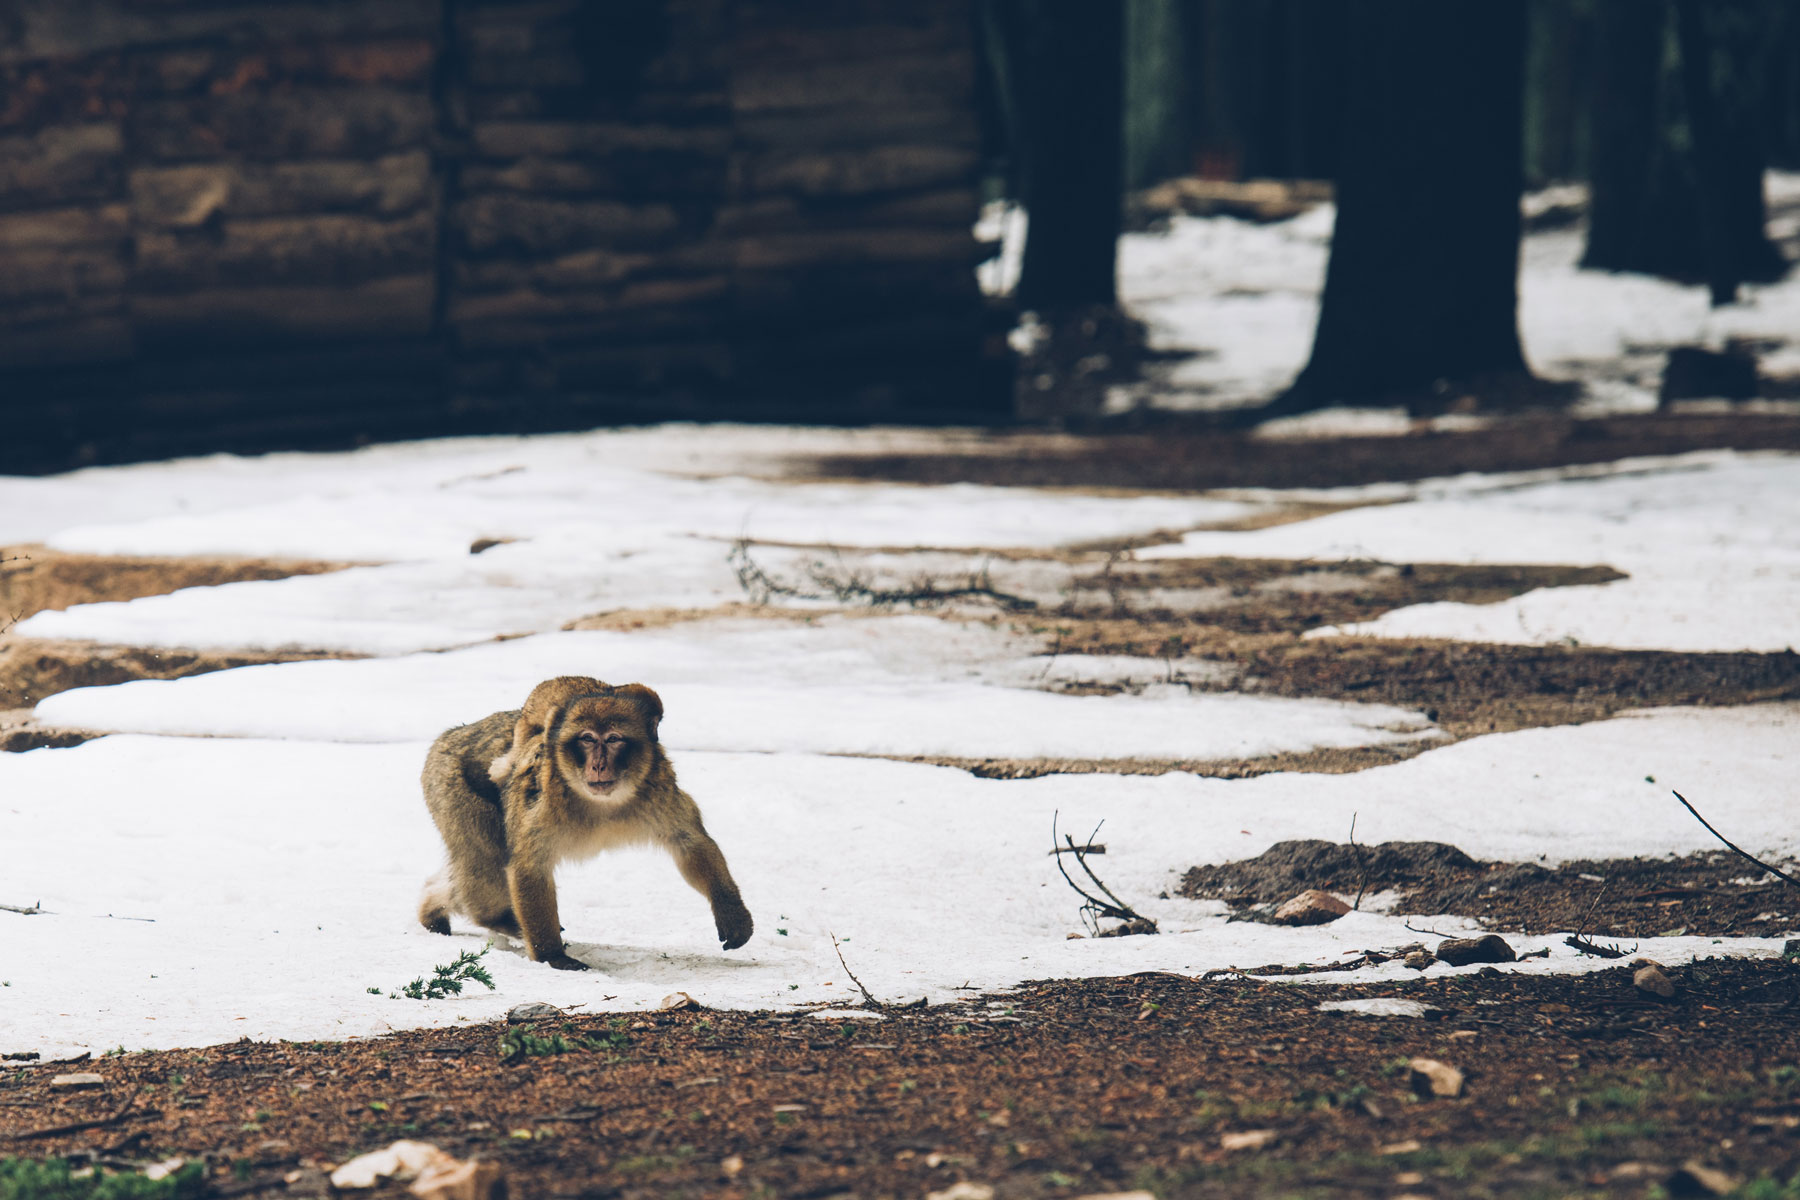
(1090, 848)
(867, 995)
(33, 911)
(1579, 941)
(1362, 866)
(1428, 932)
(97, 1123)
(845, 585)
(1733, 847)
(1095, 907)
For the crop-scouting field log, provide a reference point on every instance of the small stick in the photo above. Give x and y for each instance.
(1090, 848)
(97, 1123)
(1362, 865)
(1430, 932)
(33, 911)
(867, 995)
(1735, 849)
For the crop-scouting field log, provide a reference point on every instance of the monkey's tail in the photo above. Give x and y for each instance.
(434, 903)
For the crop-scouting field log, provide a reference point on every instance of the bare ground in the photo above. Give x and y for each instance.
(1574, 1086)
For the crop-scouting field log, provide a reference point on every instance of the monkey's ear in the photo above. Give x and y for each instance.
(647, 700)
(500, 768)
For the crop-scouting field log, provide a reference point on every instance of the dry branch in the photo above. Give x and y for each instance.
(1733, 847)
(846, 586)
(867, 995)
(1095, 907)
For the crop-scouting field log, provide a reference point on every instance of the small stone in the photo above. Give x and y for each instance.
(400, 1161)
(1489, 948)
(1650, 979)
(1418, 960)
(1464, 1035)
(1628, 1171)
(79, 1081)
(1409, 1178)
(731, 1166)
(678, 1001)
(1409, 1146)
(1075, 937)
(469, 1180)
(537, 1010)
(164, 1169)
(1247, 1139)
(1311, 907)
(963, 1190)
(1696, 1179)
(1117, 1196)
(1440, 1079)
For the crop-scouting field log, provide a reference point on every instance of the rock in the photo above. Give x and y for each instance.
(1247, 1139)
(1464, 1035)
(731, 1166)
(1418, 960)
(1438, 1078)
(1489, 948)
(537, 1010)
(79, 1081)
(455, 1180)
(1695, 1179)
(964, 1190)
(678, 1002)
(1650, 979)
(163, 1169)
(1311, 907)
(1696, 373)
(1409, 1146)
(400, 1162)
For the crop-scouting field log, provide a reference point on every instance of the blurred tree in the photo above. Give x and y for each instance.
(1155, 92)
(1677, 159)
(1067, 60)
(1421, 292)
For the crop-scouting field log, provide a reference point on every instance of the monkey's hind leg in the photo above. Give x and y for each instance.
(434, 903)
(483, 893)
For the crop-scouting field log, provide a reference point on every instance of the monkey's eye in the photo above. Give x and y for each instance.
(613, 739)
(588, 738)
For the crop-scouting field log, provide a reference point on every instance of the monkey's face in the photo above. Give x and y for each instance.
(606, 743)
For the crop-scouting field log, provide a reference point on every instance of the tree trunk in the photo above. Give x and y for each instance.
(1070, 68)
(1422, 287)
(1624, 131)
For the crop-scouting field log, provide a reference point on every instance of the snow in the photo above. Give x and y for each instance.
(1710, 542)
(199, 890)
(1245, 299)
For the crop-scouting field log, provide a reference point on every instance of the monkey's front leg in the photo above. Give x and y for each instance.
(703, 866)
(534, 904)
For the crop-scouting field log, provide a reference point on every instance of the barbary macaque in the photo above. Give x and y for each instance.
(576, 771)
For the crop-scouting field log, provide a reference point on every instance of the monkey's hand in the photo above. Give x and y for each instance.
(562, 962)
(733, 922)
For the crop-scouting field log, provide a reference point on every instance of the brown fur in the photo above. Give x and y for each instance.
(576, 771)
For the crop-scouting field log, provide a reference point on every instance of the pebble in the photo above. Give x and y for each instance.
(537, 1010)
(1117, 1196)
(1650, 978)
(965, 1190)
(1247, 1139)
(1311, 907)
(1489, 948)
(77, 1081)
(1441, 1079)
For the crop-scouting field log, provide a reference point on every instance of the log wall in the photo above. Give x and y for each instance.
(244, 225)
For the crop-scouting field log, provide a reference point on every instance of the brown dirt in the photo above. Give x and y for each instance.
(1715, 894)
(35, 578)
(1188, 455)
(1575, 1086)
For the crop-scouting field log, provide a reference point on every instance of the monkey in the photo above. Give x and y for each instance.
(575, 771)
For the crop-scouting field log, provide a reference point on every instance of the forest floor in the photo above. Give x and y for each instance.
(1233, 1084)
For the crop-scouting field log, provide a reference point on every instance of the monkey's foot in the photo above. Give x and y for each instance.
(562, 962)
(734, 925)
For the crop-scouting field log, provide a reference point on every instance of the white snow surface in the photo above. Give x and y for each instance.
(1710, 543)
(201, 890)
(835, 686)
